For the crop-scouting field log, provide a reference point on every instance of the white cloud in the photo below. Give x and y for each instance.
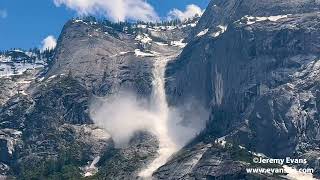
(49, 43)
(116, 10)
(3, 13)
(190, 11)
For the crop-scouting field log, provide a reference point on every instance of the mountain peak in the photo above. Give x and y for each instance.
(221, 12)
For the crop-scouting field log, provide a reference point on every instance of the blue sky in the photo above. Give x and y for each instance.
(25, 23)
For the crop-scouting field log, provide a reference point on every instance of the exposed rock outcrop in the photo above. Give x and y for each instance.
(254, 64)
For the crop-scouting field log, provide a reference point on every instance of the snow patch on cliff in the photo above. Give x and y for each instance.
(180, 43)
(139, 53)
(143, 38)
(201, 33)
(221, 30)
(253, 19)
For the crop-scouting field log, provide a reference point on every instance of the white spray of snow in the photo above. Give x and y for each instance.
(169, 125)
(121, 116)
(166, 145)
(124, 114)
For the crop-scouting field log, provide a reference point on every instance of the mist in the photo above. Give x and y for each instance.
(124, 114)
(186, 121)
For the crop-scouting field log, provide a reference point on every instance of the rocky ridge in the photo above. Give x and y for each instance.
(49, 126)
(254, 64)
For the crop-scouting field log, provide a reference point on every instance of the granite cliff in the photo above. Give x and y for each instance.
(254, 65)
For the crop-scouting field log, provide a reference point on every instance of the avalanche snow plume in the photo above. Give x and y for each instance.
(124, 114)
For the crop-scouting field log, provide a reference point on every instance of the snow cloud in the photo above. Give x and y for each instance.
(3, 13)
(49, 43)
(124, 114)
(190, 11)
(116, 10)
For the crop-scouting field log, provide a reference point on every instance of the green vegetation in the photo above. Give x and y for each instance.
(131, 27)
(21, 56)
(65, 166)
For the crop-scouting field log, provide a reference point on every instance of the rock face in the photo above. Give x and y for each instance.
(19, 69)
(46, 123)
(98, 59)
(42, 127)
(254, 63)
(126, 163)
(107, 58)
(210, 161)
